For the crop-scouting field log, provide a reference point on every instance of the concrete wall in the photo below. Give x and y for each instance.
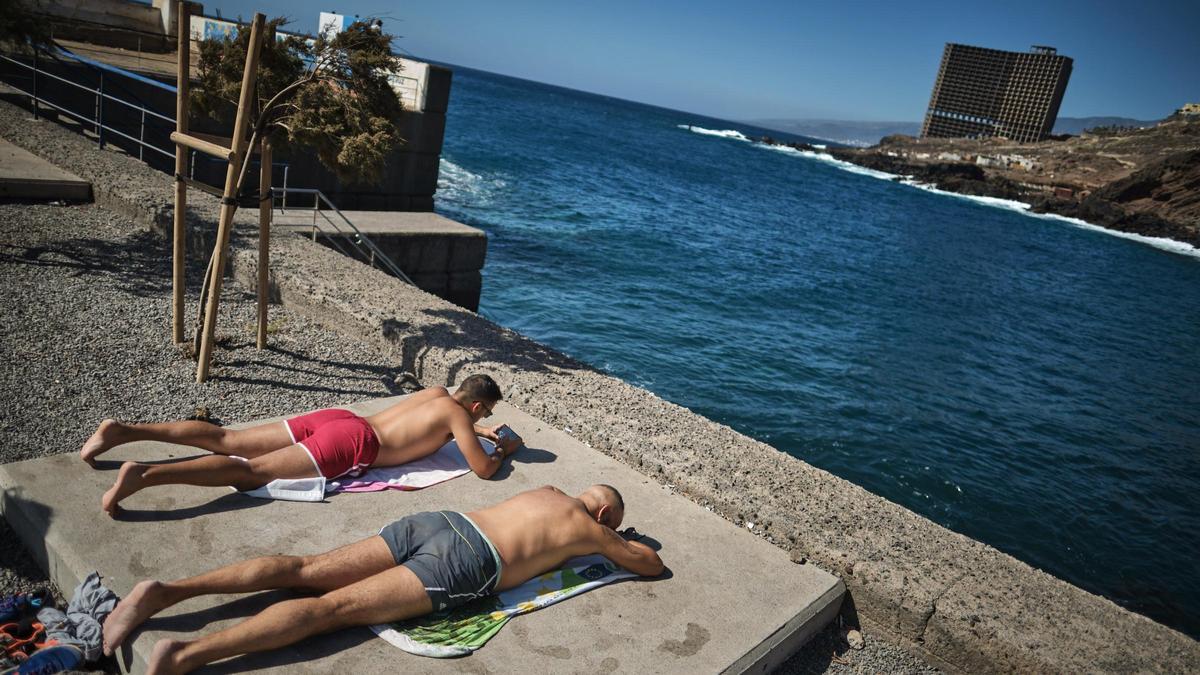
(411, 175)
(439, 255)
(116, 23)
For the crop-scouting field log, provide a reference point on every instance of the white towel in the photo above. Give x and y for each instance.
(448, 462)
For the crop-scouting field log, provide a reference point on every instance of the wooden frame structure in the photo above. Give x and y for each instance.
(235, 156)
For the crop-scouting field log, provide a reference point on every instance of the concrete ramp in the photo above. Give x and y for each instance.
(25, 176)
(730, 602)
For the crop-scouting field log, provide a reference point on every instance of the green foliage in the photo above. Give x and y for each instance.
(331, 95)
(20, 23)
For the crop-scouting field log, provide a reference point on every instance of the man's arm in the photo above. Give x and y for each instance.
(464, 433)
(632, 555)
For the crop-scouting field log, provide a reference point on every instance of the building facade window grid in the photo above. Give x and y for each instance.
(986, 92)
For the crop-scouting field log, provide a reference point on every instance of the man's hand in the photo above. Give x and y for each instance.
(509, 441)
(490, 433)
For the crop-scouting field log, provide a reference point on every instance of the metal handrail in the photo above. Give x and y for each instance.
(98, 121)
(361, 241)
(367, 249)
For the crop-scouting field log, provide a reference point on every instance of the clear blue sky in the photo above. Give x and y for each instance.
(869, 60)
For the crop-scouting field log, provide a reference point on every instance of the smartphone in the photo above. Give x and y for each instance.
(505, 434)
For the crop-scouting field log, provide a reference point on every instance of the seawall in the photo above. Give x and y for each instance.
(961, 604)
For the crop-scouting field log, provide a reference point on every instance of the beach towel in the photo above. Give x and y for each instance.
(468, 627)
(448, 462)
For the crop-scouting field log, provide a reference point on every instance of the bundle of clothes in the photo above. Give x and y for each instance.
(38, 638)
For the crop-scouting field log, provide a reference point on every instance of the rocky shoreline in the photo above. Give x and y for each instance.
(1144, 181)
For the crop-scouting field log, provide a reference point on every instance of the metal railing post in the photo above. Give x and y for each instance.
(142, 134)
(285, 177)
(100, 112)
(35, 74)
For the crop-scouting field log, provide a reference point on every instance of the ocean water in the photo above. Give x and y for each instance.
(1031, 382)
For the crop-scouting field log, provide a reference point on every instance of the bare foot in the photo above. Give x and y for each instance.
(100, 442)
(129, 481)
(162, 659)
(145, 600)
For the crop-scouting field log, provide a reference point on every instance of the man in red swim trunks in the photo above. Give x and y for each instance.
(330, 443)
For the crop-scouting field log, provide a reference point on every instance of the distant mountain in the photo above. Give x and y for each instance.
(1076, 125)
(851, 132)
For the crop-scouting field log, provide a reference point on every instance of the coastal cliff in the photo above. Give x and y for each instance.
(1144, 181)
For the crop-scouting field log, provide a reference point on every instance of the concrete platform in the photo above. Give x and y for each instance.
(441, 256)
(28, 177)
(730, 602)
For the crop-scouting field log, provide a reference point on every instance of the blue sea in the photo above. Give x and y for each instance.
(1030, 382)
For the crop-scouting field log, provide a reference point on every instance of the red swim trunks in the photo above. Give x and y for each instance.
(339, 442)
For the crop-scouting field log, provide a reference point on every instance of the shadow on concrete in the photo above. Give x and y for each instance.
(242, 608)
(307, 651)
(23, 515)
(229, 502)
(525, 455)
(458, 326)
(115, 464)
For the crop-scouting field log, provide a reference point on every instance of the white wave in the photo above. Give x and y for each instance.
(830, 159)
(456, 184)
(996, 202)
(722, 133)
(1012, 205)
(1163, 243)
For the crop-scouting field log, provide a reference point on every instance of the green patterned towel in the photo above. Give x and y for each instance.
(468, 627)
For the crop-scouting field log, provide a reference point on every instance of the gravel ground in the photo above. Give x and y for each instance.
(86, 335)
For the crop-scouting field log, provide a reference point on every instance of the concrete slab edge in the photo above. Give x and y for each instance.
(45, 190)
(43, 546)
(962, 605)
(793, 635)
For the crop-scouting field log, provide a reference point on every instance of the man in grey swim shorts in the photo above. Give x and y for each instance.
(448, 553)
(416, 565)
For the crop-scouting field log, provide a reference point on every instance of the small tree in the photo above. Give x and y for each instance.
(331, 94)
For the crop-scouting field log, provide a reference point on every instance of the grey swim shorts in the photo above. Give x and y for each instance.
(448, 553)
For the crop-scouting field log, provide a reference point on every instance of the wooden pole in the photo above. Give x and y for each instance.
(266, 205)
(207, 147)
(229, 201)
(179, 236)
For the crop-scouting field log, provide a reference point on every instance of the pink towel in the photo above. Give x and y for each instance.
(448, 462)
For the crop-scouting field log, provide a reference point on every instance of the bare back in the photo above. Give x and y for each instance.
(416, 426)
(536, 531)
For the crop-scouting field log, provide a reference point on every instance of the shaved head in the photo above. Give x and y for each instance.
(608, 496)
